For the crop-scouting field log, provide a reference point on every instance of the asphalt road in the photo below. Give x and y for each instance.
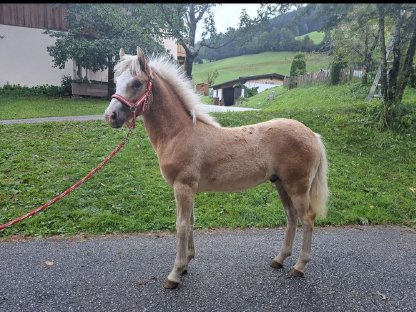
(361, 268)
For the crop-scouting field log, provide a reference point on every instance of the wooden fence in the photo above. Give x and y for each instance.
(323, 75)
(34, 15)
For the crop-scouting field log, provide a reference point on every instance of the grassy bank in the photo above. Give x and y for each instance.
(372, 174)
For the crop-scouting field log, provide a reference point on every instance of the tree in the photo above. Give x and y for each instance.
(412, 78)
(337, 64)
(307, 44)
(367, 29)
(179, 21)
(268, 33)
(211, 76)
(395, 79)
(353, 29)
(298, 66)
(395, 20)
(96, 32)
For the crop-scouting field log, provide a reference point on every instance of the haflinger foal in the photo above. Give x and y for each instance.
(196, 154)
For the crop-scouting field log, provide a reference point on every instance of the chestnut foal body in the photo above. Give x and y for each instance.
(196, 154)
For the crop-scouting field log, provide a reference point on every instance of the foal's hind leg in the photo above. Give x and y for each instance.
(307, 216)
(291, 217)
(184, 196)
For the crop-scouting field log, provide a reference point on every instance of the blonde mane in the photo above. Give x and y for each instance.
(175, 76)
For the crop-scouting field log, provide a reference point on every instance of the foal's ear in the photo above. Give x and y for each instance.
(142, 61)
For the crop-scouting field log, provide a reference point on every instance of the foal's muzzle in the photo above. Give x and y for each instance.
(117, 117)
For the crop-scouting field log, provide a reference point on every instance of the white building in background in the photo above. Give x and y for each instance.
(24, 59)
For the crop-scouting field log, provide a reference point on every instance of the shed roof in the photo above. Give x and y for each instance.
(244, 79)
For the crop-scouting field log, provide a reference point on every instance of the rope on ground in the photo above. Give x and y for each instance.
(71, 188)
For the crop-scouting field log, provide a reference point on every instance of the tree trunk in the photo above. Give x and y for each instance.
(111, 88)
(394, 82)
(189, 61)
(383, 61)
(364, 78)
(395, 67)
(190, 50)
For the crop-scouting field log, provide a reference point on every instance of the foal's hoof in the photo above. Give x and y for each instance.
(295, 273)
(276, 265)
(170, 285)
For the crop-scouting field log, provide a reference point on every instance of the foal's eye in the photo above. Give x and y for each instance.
(137, 84)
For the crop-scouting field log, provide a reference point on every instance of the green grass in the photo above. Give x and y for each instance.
(33, 107)
(315, 36)
(323, 97)
(254, 64)
(372, 175)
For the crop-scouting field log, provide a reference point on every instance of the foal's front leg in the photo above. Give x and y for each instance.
(191, 246)
(184, 196)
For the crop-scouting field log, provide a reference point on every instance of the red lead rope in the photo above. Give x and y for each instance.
(69, 190)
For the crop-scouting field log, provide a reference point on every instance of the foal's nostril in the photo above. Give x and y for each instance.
(114, 116)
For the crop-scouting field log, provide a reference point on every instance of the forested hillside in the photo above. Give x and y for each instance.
(278, 34)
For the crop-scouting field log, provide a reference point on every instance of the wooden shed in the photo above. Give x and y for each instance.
(226, 93)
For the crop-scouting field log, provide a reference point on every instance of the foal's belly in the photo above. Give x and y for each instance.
(232, 181)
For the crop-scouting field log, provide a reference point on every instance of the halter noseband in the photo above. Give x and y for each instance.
(141, 105)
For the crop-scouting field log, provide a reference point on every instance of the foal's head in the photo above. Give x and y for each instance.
(132, 76)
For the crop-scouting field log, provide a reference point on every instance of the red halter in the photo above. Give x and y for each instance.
(141, 105)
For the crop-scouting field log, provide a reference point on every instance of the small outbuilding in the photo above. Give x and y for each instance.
(226, 93)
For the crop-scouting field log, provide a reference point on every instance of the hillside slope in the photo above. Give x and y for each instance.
(254, 64)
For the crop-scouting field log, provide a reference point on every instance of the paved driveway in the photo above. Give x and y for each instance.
(205, 107)
(361, 268)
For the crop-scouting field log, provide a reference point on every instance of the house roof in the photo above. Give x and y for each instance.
(244, 79)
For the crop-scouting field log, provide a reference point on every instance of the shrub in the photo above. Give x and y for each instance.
(412, 78)
(66, 87)
(338, 63)
(297, 68)
(42, 90)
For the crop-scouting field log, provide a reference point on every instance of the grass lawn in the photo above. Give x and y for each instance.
(254, 64)
(33, 107)
(372, 175)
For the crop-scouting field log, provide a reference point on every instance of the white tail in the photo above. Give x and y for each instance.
(319, 192)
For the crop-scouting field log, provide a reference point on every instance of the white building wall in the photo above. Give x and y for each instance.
(172, 47)
(261, 86)
(24, 59)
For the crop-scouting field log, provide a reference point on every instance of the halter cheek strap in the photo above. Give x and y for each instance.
(141, 105)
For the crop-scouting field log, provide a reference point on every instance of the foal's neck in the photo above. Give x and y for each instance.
(167, 116)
